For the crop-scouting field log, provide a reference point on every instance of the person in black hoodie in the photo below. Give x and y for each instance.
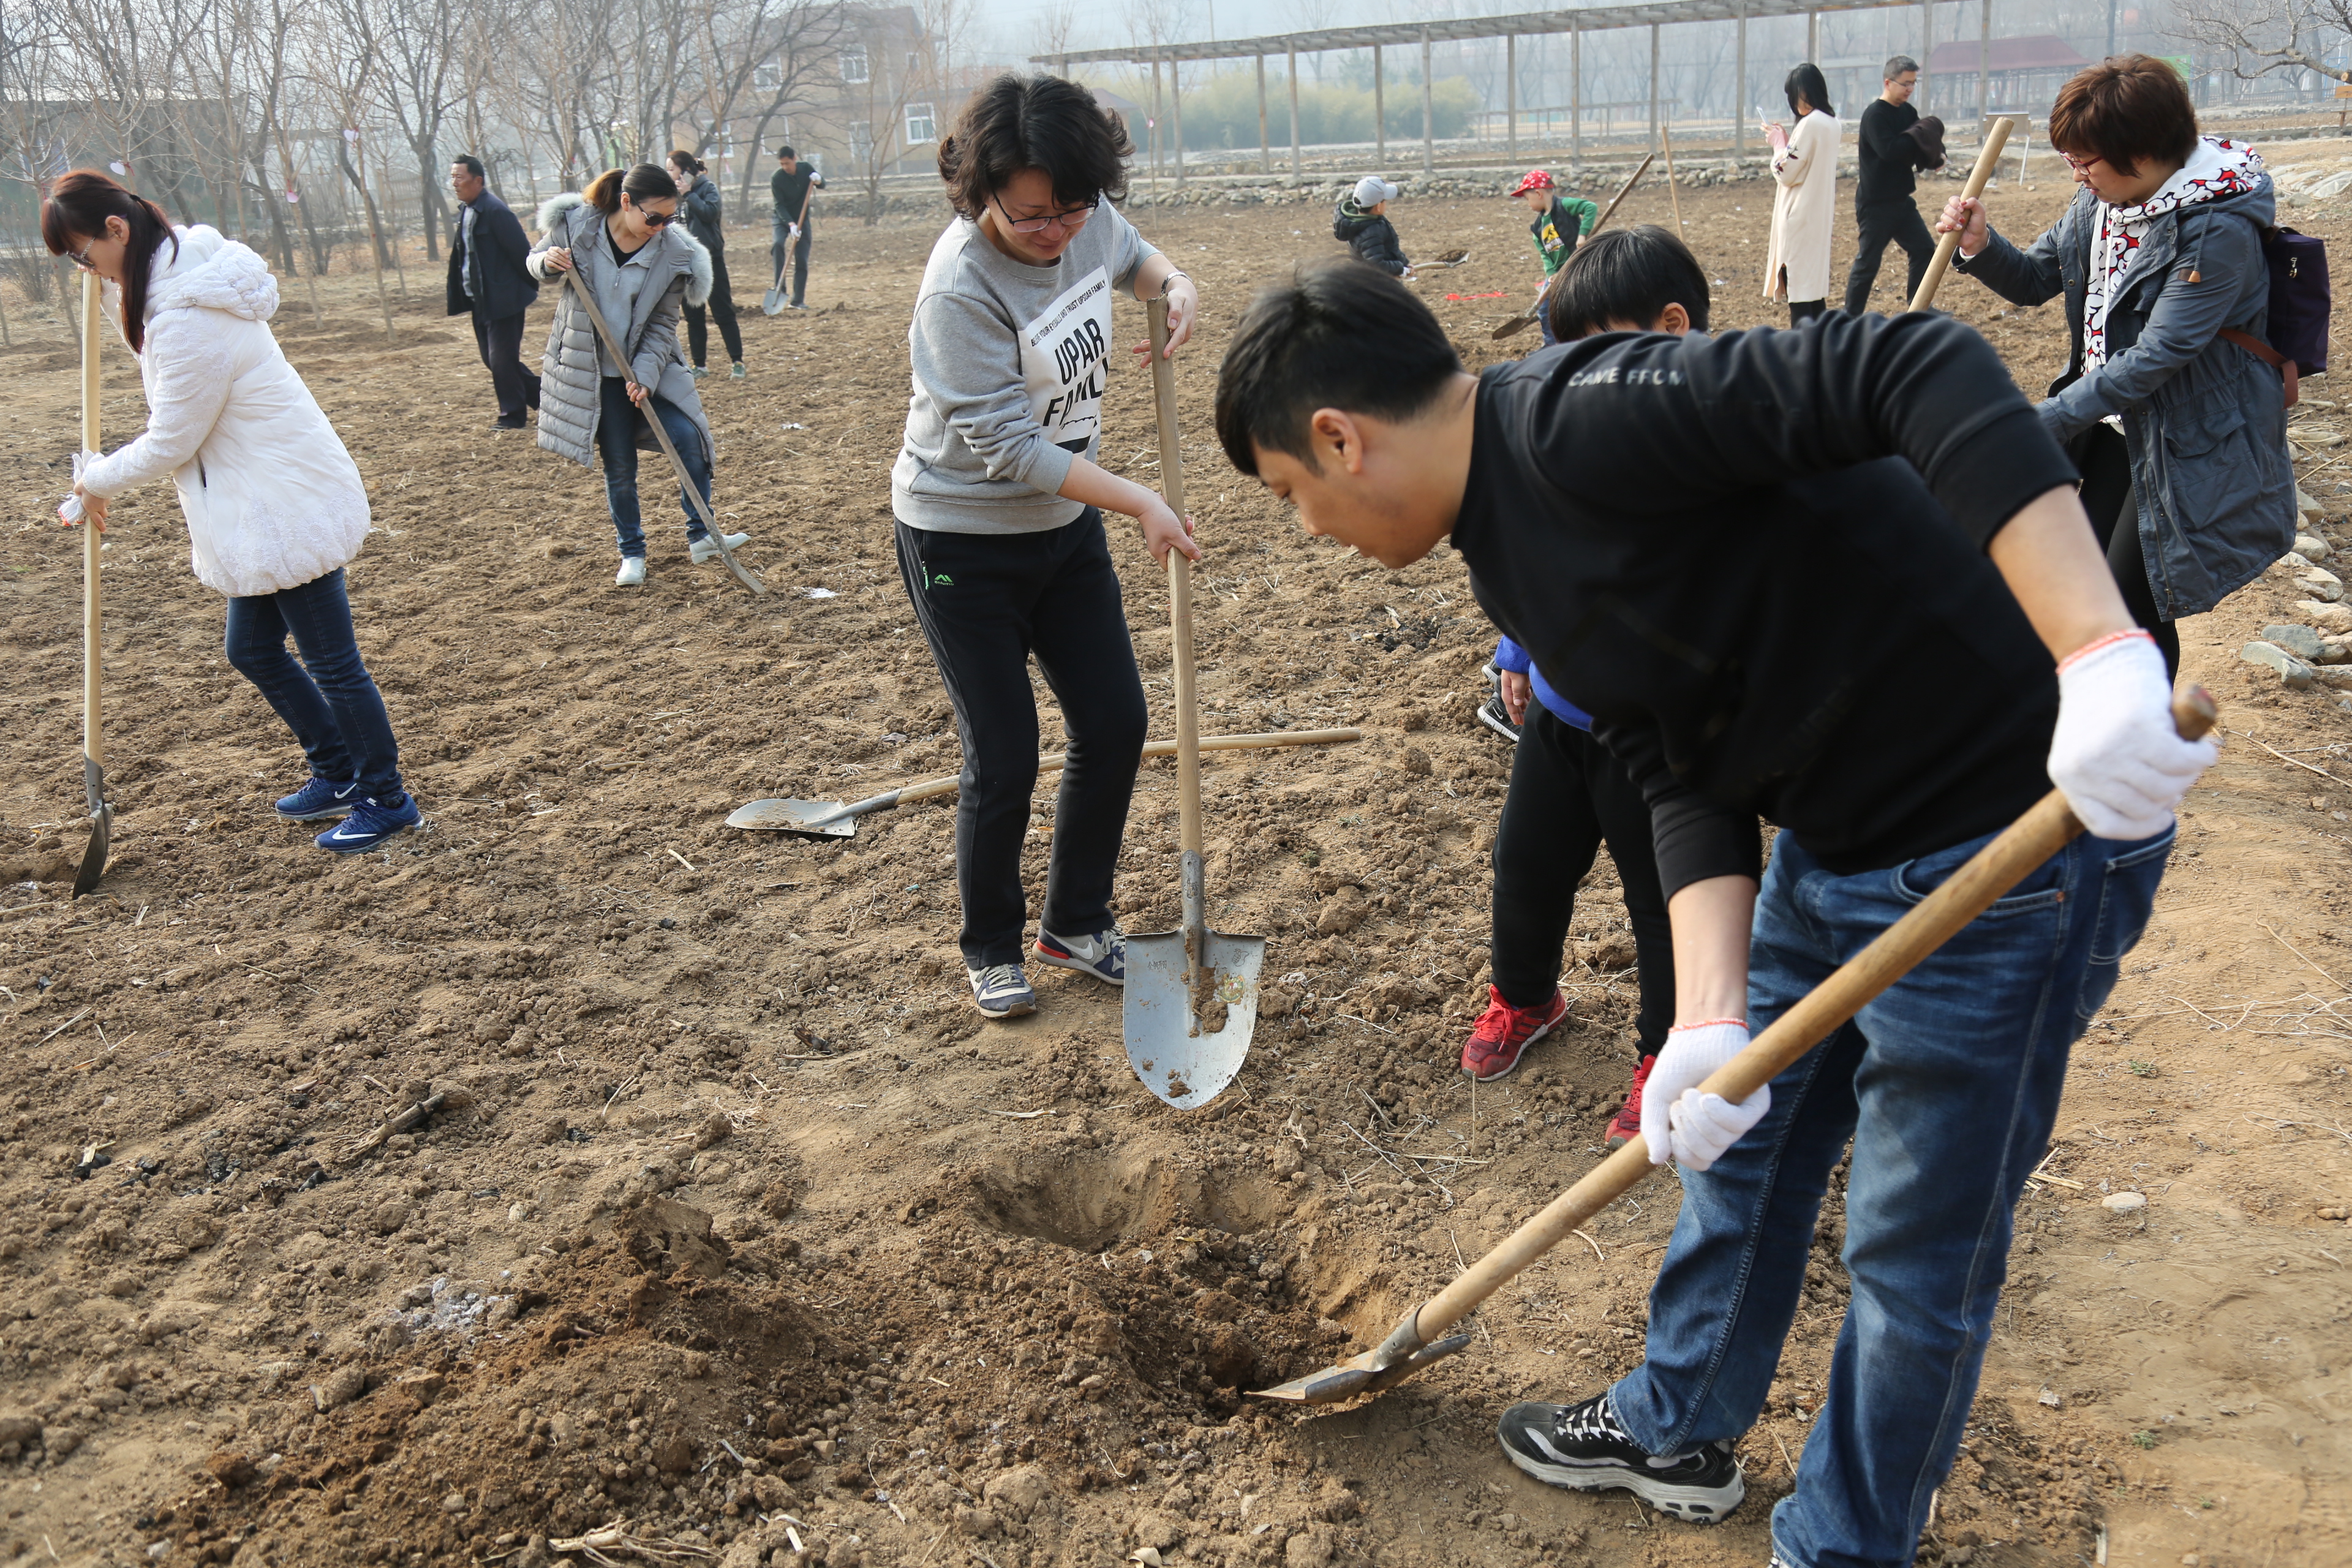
(1695, 590)
(697, 203)
(1361, 221)
(1887, 149)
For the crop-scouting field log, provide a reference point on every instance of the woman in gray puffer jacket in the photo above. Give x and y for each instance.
(621, 240)
(2178, 426)
(698, 203)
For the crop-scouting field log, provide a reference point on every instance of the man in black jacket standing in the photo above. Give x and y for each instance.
(487, 280)
(1693, 590)
(1883, 207)
(791, 190)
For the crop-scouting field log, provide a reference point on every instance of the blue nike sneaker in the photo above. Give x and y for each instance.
(318, 799)
(369, 826)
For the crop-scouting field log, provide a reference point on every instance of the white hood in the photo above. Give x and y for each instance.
(210, 272)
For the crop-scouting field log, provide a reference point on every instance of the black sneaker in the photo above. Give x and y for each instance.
(1583, 1446)
(1491, 714)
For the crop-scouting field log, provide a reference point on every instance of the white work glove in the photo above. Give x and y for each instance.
(792, 233)
(1678, 1121)
(2117, 754)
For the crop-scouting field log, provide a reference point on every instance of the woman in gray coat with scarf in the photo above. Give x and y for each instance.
(621, 241)
(2175, 419)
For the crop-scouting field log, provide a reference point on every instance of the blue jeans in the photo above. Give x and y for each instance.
(328, 699)
(1947, 1084)
(617, 443)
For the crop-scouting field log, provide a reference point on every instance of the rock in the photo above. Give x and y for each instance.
(1154, 1531)
(231, 1471)
(2311, 547)
(1342, 912)
(1311, 1548)
(453, 1502)
(673, 1456)
(2301, 641)
(2336, 675)
(2335, 648)
(2290, 669)
(2123, 1203)
(2320, 584)
(1416, 762)
(717, 1129)
(20, 1428)
(1016, 1493)
(339, 1388)
(1148, 1556)
(388, 1219)
(2325, 615)
(2307, 508)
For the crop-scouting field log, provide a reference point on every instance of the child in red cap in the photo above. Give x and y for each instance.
(1561, 221)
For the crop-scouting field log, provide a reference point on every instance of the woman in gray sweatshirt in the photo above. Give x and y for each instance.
(999, 505)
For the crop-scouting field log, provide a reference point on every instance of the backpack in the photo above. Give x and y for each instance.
(2299, 306)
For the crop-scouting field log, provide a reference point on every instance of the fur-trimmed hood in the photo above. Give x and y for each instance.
(680, 247)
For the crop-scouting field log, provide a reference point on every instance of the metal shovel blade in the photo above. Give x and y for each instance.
(1176, 1058)
(101, 831)
(816, 818)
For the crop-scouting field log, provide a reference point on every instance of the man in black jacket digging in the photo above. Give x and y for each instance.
(487, 280)
(1707, 590)
(1892, 142)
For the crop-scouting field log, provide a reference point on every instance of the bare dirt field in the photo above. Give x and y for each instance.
(733, 1221)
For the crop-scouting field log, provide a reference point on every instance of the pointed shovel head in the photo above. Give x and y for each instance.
(811, 818)
(101, 828)
(1177, 1058)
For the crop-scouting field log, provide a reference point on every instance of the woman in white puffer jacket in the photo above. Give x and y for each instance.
(274, 504)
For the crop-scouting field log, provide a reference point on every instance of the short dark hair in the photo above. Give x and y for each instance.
(1895, 66)
(1018, 122)
(786, 152)
(1626, 275)
(1339, 334)
(1806, 79)
(2127, 110)
(473, 165)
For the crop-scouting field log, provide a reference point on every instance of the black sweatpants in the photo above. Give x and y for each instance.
(1883, 221)
(987, 602)
(2104, 461)
(722, 306)
(500, 340)
(1568, 793)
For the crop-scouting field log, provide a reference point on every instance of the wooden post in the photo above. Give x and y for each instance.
(1176, 120)
(1984, 58)
(1428, 112)
(1380, 113)
(1739, 104)
(1654, 86)
(1575, 95)
(1511, 95)
(1265, 148)
(1296, 163)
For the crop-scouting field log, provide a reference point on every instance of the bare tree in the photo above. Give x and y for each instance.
(2259, 38)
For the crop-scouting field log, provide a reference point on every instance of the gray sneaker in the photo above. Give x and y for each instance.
(1002, 991)
(706, 548)
(1102, 955)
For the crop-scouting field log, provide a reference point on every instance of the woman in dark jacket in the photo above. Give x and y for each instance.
(2178, 426)
(698, 205)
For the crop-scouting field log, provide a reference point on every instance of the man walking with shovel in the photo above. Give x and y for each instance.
(1738, 497)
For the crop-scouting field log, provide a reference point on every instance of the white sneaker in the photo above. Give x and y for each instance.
(706, 548)
(632, 572)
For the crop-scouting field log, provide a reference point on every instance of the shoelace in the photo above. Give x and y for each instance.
(1593, 1419)
(1000, 977)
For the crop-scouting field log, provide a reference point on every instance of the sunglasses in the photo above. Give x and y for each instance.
(650, 218)
(1073, 220)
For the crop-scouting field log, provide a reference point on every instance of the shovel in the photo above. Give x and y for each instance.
(1519, 325)
(93, 743)
(1987, 161)
(772, 303)
(1416, 1342)
(838, 819)
(661, 435)
(1192, 994)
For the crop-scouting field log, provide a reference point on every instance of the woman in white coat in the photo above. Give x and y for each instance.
(1804, 199)
(274, 504)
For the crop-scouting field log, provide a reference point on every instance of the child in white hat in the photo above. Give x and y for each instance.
(1362, 223)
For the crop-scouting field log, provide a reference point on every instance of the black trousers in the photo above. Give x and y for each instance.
(987, 603)
(1898, 221)
(516, 383)
(1568, 793)
(722, 306)
(2104, 461)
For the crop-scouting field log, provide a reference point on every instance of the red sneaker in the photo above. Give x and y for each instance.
(1626, 1125)
(1505, 1031)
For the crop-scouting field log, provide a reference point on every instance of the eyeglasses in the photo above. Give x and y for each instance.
(81, 258)
(2081, 165)
(1071, 221)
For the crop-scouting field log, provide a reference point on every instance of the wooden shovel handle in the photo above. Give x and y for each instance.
(93, 739)
(1180, 587)
(1988, 158)
(1992, 871)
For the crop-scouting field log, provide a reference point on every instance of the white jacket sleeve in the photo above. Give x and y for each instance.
(188, 370)
(1794, 161)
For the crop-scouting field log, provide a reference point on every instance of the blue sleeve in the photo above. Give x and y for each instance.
(1510, 655)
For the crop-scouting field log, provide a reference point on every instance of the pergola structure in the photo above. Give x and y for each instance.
(1381, 38)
